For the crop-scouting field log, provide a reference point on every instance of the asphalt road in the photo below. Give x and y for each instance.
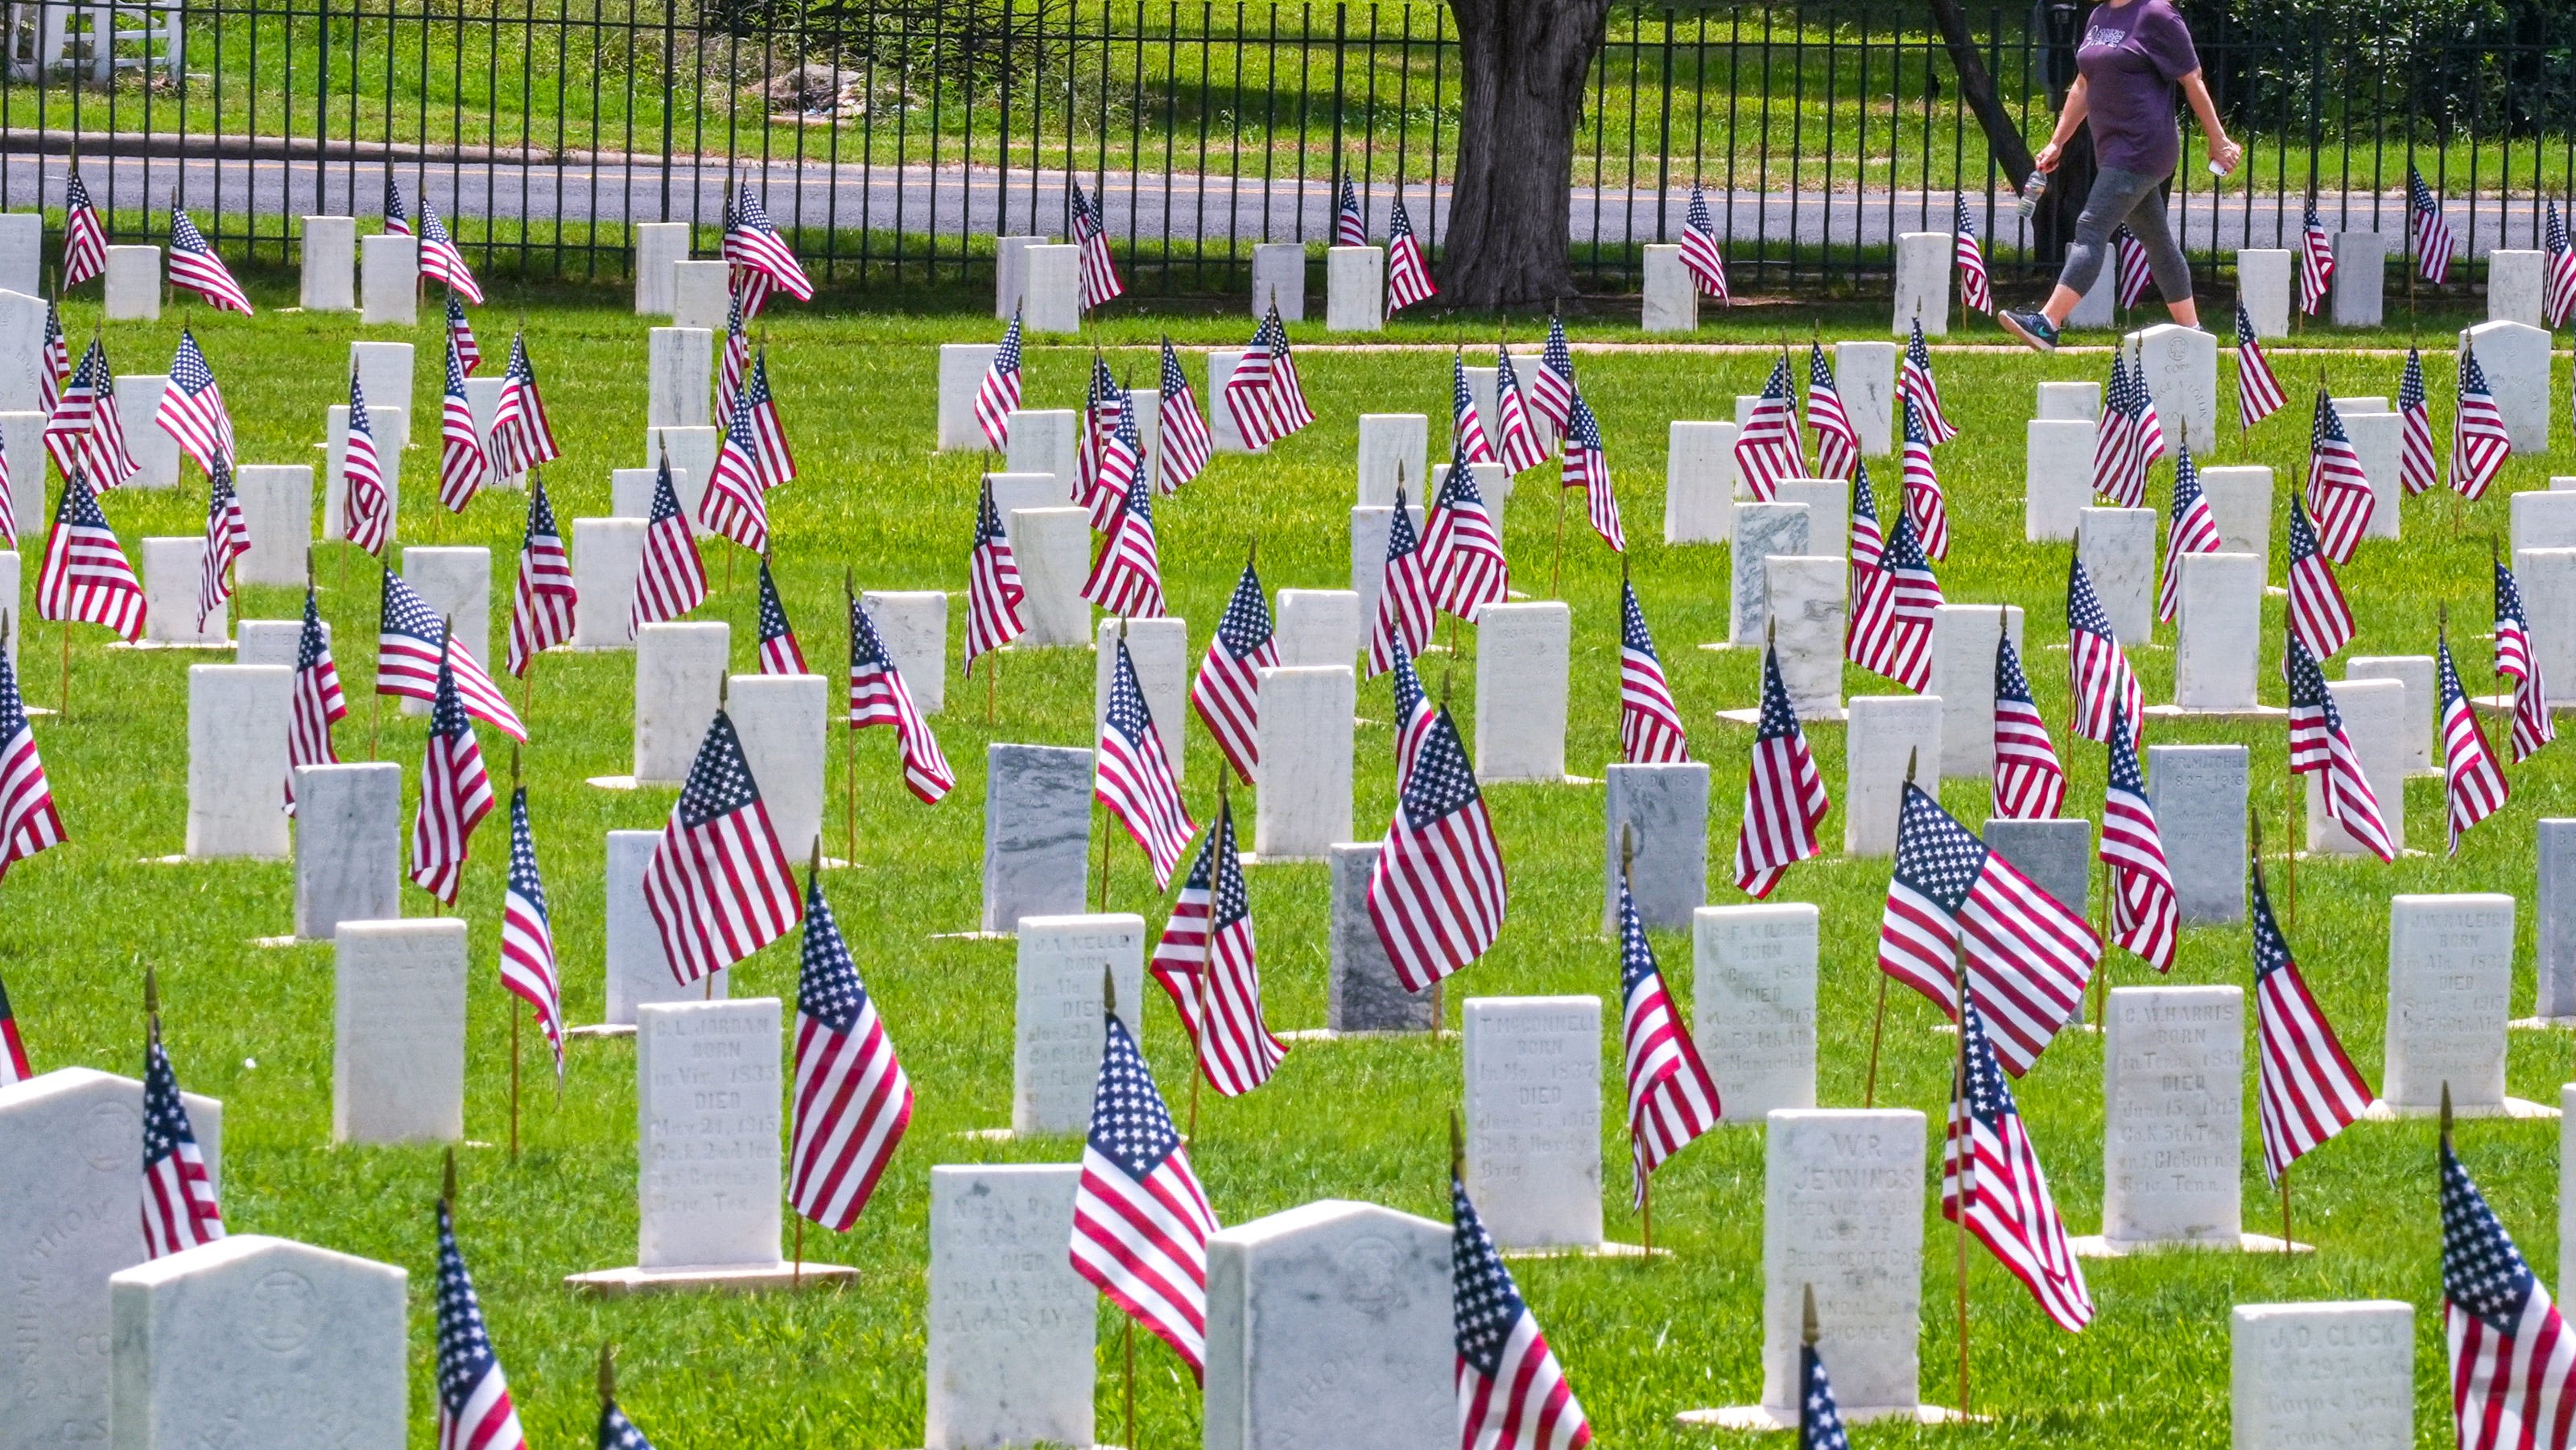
(1142, 207)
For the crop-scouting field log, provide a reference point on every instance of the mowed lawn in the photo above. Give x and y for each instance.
(1361, 1120)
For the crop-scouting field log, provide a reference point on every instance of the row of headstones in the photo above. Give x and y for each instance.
(377, 277)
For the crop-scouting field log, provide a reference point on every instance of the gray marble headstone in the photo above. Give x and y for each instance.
(1361, 993)
(1963, 675)
(1806, 597)
(2541, 519)
(1037, 831)
(2054, 854)
(1053, 549)
(349, 845)
(1012, 1327)
(1843, 1212)
(132, 291)
(1662, 812)
(22, 352)
(1753, 1005)
(1828, 502)
(258, 1340)
(389, 279)
(1886, 732)
(1053, 302)
(2219, 632)
(607, 554)
(680, 372)
(237, 723)
(2069, 402)
(1011, 273)
(1369, 527)
(2376, 439)
(1522, 657)
(2555, 900)
(1865, 374)
(962, 366)
(2118, 547)
(1761, 530)
(2198, 792)
(1055, 1059)
(1329, 1327)
(708, 1153)
(1393, 446)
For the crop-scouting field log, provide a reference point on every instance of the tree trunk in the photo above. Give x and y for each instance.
(2003, 136)
(1510, 210)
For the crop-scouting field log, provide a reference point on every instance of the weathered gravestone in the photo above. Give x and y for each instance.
(1887, 733)
(1533, 1119)
(2198, 792)
(1055, 1060)
(2173, 1088)
(2308, 1376)
(329, 281)
(349, 835)
(2450, 982)
(1522, 654)
(1011, 1325)
(237, 719)
(1699, 482)
(679, 671)
(1753, 1005)
(1660, 812)
(1361, 990)
(398, 1032)
(1037, 830)
(1963, 676)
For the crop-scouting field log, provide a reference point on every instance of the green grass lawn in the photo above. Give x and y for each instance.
(1362, 1120)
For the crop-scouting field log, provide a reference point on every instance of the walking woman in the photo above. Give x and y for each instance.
(2133, 55)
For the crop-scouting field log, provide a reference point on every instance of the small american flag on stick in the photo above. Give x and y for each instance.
(1090, 231)
(2097, 668)
(192, 408)
(1974, 288)
(2513, 1363)
(1132, 774)
(455, 791)
(1467, 440)
(1766, 451)
(84, 236)
(1924, 501)
(2194, 530)
(1837, 441)
(733, 504)
(1227, 693)
(779, 652)
(1206, 963)
(14, 1066)
(474, 1409)
(1551, 393)
(1587, 467)
(993, 590)
(2307, 1090)
(521, 436)
(84, 433)
(463, 466)
(1127, 577)
(2134, 275)
(54, 364)
(718, 886)
(460, 336)
(2146, 914)
(2319, 746)
(528, 969)
(733, 360)
(768, 426)
(1181, 440)
(1702, 255)
(543, 601)
(878, 696)
(1892, 631)
(2117, 473)
(2428, 229)
(1140, 1220)
(2417, 468)
(762, 260)
(85, 576)
(2472, 783)
(2258, 392)
(410, 655)
(28, 821)
(1408, 271)
(2029, 783)
(1671, 1097)
(1512, 1394)
(227, 539)
(440, 259)
(314, 698)
(366, 505)
(1991, 1182)
(671, 580)
(1350, 224)
(1437, 895)
(1650, 724)
(194, 266)
(2560, 299)
(998, 395)
(2316, 261)
(1462, 550)
(2479, 443)
(2319, 617)
(1784, 796)
(1405, 608)
(2518, 661)
(1914, 380)
(179, 1209)
(853, 1099)
(1517, 440)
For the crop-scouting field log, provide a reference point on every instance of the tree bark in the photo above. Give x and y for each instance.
(1524, 62)
(2003, 136)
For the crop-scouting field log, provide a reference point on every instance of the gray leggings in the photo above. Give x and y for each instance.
(2132, 197)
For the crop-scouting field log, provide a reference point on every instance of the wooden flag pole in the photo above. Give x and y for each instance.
(514, 1014)
(1645, 1180)
(2102, 975)
(1965, 1147)
(2254, 868)
(1207, 952)
(1878, 1023)
(67, 671)
(607, 1376)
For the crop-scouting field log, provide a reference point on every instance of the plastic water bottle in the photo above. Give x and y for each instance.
(2031, 191)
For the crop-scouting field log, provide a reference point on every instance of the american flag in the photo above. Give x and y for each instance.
(314, 699)
(735, 359)
(1132, 775)
(1140, 1220)
(28, 821)
(194, 266)
(521, 437)
(1206, 963)
(84, 432)
(1766, 451)
(1914, 380)
(1784, 796)
(2516, 660)
(998, 395)
(1350, 224)
(1837, 441)
(2319, 746)
(84, 236)
(1892, 633)
(2149, 438)
(1413, 715)
(2028, 954)
(367, 506)
(542, 603)
(1973, 287)
(1989, 1161)
(463, 466)
(2118, 473)
(1867, 546)
(440, 261)
(85, 576)
(2428, 230)
(192, 408)
(1820, 1419)
(779, 652)
(1405, 609)
(56, 364)
(732, 505)
(2479, 442)
(993, 591)
(2097, 668)
(1127, 578)
(2258, 392)
(409, 659)
(2561, 297)
(2146, 915)
(455, 792)
(1408, 272)
(528, 969)
(1650, 724)
(1512, 1394)
(2030, 784)
(227, 539)
(1227, 694)
(397, 217)
(853, 1100)
(768, 428)
(2134, 276)
(2194, 530)
(474, 1410)
(1588, 468)
(2319, 617)
(762, 260)
(617, 1432)
(2306, 1089)
(2472, 782)
(1702, 256)
(14, 1066)
(1090, 232)
(2512, 1359)
(460, 336)
(1551, 393)
(1181, 441)
(2316, 262)
(1107, 461)
(1923, 497)
(179, 1210)
(2417, 468)
(878, 696)
(1437, 895)
(671, 580)
(1467, 441)
(1671, 1098)
(718, 886)
(1254, 396)
(8, 509)
(1520, 448)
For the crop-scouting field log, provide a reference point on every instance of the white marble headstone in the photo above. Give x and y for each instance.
(1753, 983)
(1533, 1118)
(1055, 1060)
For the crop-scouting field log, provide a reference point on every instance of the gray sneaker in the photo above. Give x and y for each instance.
(2033, 328)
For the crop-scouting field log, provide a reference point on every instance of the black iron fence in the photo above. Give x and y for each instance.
(896, 138)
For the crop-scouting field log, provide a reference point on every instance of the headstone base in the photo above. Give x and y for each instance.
(2542, 1024)
(2247, 712)
(2094, 1246)
(1334, 1034)
(2383, 1111)
(1760, 1417)
(732, 1279)
(1753, 715)
(1602, 1250)
(601, 1029)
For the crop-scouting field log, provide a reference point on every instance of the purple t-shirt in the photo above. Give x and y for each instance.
(2131, 56)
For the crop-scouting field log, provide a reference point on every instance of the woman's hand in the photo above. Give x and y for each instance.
(2047, 158)
(2225, 152)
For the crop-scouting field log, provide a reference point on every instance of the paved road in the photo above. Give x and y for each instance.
(1142, 207)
